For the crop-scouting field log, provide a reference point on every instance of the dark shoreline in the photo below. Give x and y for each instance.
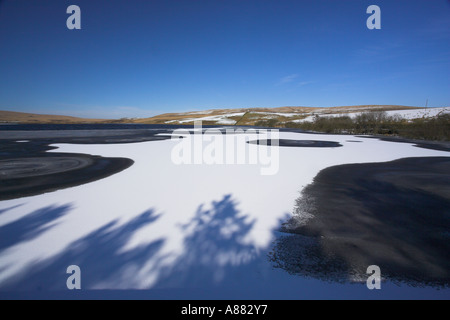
(395, 215)
(426, 144)
(132, 132)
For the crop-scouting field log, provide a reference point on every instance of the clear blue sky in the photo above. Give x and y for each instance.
(141, 58)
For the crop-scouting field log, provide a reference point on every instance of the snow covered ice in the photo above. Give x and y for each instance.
(162, 226)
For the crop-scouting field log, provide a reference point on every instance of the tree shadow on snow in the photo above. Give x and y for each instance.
(215, 252)
(10, 208)
(31, 225)
(99, 255)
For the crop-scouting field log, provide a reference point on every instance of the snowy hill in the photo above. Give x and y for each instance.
(286, 114)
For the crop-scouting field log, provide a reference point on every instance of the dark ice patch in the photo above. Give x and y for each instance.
(297, 143)
(26, 169)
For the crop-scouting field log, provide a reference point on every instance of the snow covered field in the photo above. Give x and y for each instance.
(407, 114)
(227, 118)
(182, 231)
(220, 119)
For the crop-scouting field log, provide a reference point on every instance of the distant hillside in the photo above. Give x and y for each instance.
(21, 117)
(253, 116)
(243, 116)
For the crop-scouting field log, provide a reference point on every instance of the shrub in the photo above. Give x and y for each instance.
(267, 123)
